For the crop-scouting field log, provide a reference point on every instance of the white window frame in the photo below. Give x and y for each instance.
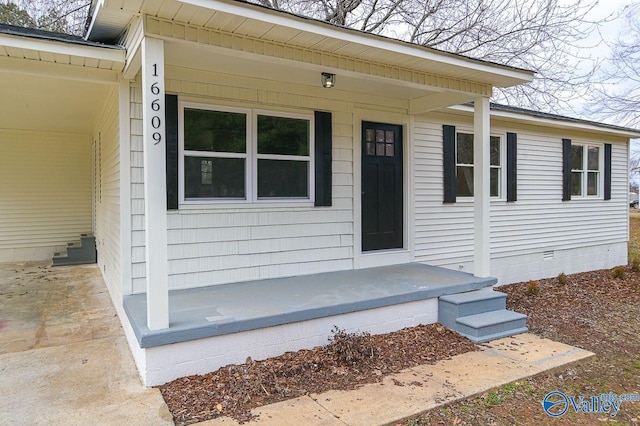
(502, 183)
(585, 171)
(251, 156)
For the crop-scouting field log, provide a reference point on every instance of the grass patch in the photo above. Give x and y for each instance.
(533, 288)
(618, 272)
(562, 278)
(634, 234)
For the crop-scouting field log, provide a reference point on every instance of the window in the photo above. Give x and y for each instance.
(464, 165)
(237, 154)
(585, 170)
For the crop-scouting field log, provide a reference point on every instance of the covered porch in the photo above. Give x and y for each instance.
(210, 327)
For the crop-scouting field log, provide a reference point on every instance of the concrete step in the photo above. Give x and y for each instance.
(488, 326)
(78, 253)
(453, 306)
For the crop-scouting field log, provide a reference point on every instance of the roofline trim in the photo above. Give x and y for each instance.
(61, 47)
(285, 19)
(552, 120)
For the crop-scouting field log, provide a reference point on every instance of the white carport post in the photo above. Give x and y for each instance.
(155, 194)
(481, 188)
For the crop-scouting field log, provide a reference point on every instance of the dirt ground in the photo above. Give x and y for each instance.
(598, 311)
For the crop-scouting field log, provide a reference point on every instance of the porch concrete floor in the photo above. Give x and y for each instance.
(229, 308)
(63, 355)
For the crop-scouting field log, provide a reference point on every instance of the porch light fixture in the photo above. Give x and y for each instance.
(328, 80)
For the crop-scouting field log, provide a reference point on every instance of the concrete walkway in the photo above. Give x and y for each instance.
(63, 356)
(64, 361)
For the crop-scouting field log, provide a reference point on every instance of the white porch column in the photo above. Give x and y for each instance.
(481, 188)
(155, 195)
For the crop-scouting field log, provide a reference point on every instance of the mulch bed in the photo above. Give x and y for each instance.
(591, 310)
(346, 362)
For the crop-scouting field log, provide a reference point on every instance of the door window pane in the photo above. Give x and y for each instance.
(282, 135)
(389, 136)
(283, 178)
(214, 177)
(390, 150)
(214, 131)
(371, 134)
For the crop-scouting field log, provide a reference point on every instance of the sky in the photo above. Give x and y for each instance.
(597, 46)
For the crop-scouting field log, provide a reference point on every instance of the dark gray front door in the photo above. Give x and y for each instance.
(381, 186)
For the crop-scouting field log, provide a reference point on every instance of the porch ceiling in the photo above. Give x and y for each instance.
(46, 103)
(193, 56)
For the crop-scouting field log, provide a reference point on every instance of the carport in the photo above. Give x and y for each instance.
(53, 89)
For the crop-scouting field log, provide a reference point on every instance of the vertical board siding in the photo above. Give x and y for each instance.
(212, 244)
(538, 221)
(107, 208)
(45, 192)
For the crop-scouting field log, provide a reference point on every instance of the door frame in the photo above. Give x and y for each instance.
(392, 256)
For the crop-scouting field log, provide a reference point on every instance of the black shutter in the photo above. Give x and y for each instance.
(566, 169)
(449, 162)
(171, 130)
(607, 171)
(323, 158)
(512, 167)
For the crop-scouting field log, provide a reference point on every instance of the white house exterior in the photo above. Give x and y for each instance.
(123, 135)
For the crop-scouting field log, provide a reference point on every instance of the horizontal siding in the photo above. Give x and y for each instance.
(539, 221)
(107, 198)
(45, 192)
(213, 244)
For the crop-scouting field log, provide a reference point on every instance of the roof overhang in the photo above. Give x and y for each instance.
(54, 82)
(255, 22)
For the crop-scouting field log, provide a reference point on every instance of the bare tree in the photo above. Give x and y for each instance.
(66, 16)
(540, 35)
(617, 98)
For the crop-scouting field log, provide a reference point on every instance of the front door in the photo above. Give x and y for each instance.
(382, 223)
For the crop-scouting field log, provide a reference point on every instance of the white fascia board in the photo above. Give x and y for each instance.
(555, 123)
(515, 76)
(97, 5)
(62, 48)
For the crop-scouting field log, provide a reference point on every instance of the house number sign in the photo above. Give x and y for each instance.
(156, 105)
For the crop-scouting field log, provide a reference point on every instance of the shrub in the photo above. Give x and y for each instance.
(618, 272)
(635, 264)
(349, 348)
(533, 288)
(562, 278)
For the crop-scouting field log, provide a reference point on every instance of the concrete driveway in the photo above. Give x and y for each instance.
(63, 355)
